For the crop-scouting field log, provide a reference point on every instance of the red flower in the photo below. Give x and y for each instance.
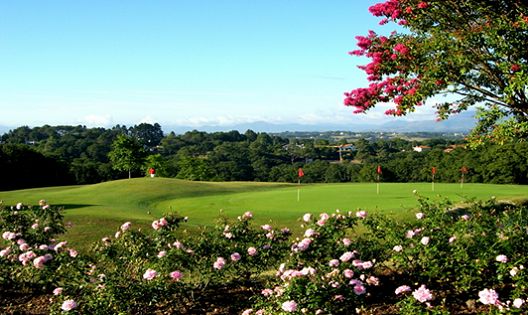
(401, 49)
(422, 5)
(515, 67)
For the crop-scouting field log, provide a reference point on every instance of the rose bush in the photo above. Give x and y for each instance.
(448, 259)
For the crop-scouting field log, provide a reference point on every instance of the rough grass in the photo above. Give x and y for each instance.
(98, 210)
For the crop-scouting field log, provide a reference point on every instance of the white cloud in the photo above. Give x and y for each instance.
(98, 120)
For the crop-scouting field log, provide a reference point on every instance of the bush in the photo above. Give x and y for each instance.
(450, 259)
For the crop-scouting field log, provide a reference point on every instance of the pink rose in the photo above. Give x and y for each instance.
(176, 275)
(150, 274)
(361, 214)
(235, 256)
(359, 289)
(57, 291)
(68, 305)
(422, 294)
(252, 251)
(289, 306)
(219, 263)
(402, 289)
(488, 297)
(346, 256)
(126, 226)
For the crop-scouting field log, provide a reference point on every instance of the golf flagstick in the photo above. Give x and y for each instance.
(300, 174)
(378, 170)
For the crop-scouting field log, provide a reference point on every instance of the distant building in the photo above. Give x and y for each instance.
(345, 148)
(421, 148)
(452, 147)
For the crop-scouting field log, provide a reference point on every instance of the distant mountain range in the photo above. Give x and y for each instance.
(459, 123)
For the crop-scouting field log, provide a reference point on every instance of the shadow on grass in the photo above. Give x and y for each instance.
(68, 206)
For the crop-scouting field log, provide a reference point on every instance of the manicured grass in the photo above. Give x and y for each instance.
(98, 210)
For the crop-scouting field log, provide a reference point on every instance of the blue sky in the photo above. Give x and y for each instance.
(194, 62)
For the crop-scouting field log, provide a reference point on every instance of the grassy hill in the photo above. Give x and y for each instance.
(98, 210)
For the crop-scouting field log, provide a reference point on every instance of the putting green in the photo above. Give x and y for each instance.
(98, 210)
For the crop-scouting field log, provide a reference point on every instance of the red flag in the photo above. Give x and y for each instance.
(433, 170)
(464, 170)
(300, 172)
(379, 169)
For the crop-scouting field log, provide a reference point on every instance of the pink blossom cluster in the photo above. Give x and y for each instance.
(9, 235)
(266, 227)
(389, 56)
(58, 291)
(422, 294)
(361, 214)
(323, 217)
(402, 289)
(502, 259)
(158, 224)
(235, 257)
(391, 8)
(289, 306)
(5, 252)
(247, 215)
(150, 274)
(289, 274)
(252, 251)
(310, 233)
(489, 297)
(227, 233)
(301, 246)
(412, 233)
(125, 226)
(176, 275)
(219, 263)
(68, 305)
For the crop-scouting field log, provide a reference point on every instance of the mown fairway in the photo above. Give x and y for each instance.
(98, 210)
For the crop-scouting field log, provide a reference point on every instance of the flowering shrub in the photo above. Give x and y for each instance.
(139, 271)
(324, 274)
(459, 252)
(448, 256)
(30, 256)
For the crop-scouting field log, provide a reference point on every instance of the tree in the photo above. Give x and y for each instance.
(148, 135)
(231, 161)
(127, 154)
(472, 49)
(261, 156)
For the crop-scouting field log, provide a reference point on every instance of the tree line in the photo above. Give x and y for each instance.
(65, 155)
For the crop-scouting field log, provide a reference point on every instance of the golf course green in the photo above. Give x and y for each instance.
(95, 211)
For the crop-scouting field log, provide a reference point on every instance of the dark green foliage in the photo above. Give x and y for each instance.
(23, 167)
(79, 155)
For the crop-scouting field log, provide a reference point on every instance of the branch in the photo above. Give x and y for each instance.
(482, 91)
(491, 100)
(486, 68)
